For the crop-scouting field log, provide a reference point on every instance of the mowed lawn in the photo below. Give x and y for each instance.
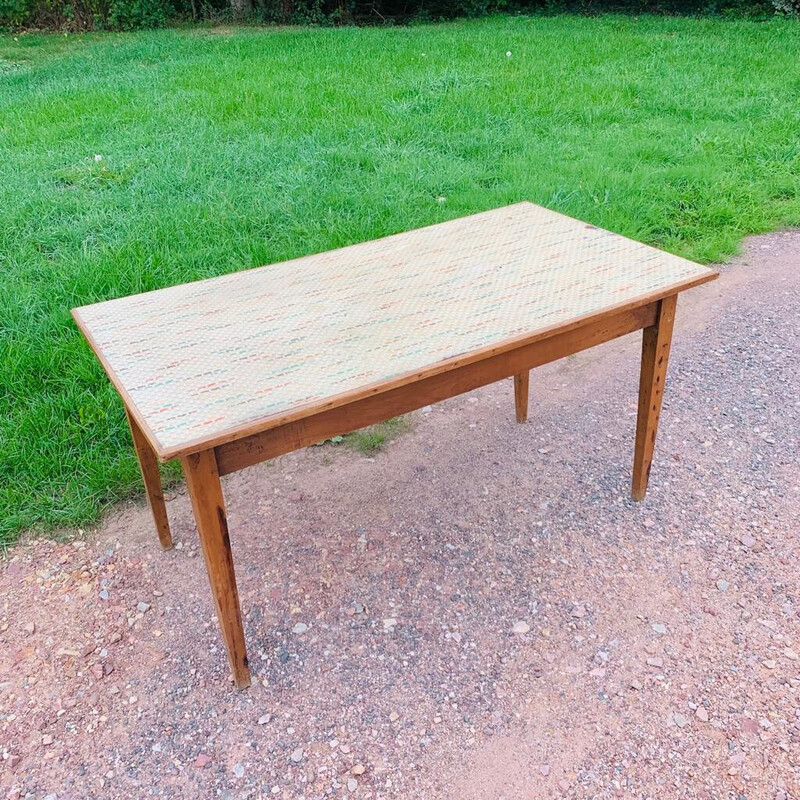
(131, 162)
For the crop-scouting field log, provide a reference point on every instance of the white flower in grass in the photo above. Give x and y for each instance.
(98, 157)
(441, 200)
(508, 54)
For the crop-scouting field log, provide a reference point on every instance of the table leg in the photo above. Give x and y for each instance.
(148, 463)
(521, 395)
(656, 341)
(205, 490)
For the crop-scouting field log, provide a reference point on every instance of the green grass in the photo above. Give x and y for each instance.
(373, 439)
(227, 149)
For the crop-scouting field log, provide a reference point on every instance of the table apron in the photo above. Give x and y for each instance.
(317, 427)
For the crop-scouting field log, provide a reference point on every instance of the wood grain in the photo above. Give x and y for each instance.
(521, 382)
(148, 464)
(656, 342)
(377, 408)
(205, 490)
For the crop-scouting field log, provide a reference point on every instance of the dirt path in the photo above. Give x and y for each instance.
(662, 656)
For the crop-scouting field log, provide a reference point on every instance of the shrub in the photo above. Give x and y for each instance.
(130, 14)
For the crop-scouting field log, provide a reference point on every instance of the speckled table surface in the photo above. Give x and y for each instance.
(198, 360)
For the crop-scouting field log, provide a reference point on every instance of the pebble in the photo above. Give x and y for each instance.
(203, 760)
(790, 654)
(701, 714)
(680, 720)
(47, 739)
(352, 784)
(358, 769)
(238, 770)
(655, 662)
(520, 627)
(660, 628)
(297, 755)
(389, 623)
(143, 607)
(104, 594)
(578, 611)
(300, 627)
(29, 628)
(598, 672)
(394, 716)
(264, 719)
(769, 663)
(544, 769)
(723, 585)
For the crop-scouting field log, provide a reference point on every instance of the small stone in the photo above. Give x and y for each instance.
(598, 672)
(723, 585)
(104, 594)
(769, 663)
(680, 720)
(749, 725)
(297, 755)
(790, 654)
(345, 748)
(264, 719)
(544, 769)
(747, 540)
(389, 623)
(578, 611)
(204, 760)
(300, 627)
(520, 627)
(358, 769)
(47, 740)
(238, 770)
(660, 628)
(637, 685)
(143, 607)
(30, 627)
(13, 760)
(655, 662)
(394, 716)
(352, 784)
(701, 714)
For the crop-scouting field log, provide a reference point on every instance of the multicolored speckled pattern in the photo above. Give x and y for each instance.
(200, 359)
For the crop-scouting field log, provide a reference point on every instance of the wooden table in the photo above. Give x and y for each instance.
(227, 372)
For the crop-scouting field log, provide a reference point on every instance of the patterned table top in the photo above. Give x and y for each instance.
(198, 361)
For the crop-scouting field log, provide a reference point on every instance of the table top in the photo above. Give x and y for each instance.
(202, 363)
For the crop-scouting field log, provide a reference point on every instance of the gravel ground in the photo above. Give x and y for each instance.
(479, 612)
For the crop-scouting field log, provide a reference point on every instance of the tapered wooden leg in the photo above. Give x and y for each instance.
(205, 490)
(521, 395)
(656, 341)
(148, 463)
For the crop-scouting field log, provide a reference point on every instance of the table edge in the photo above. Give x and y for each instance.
(252, 427)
